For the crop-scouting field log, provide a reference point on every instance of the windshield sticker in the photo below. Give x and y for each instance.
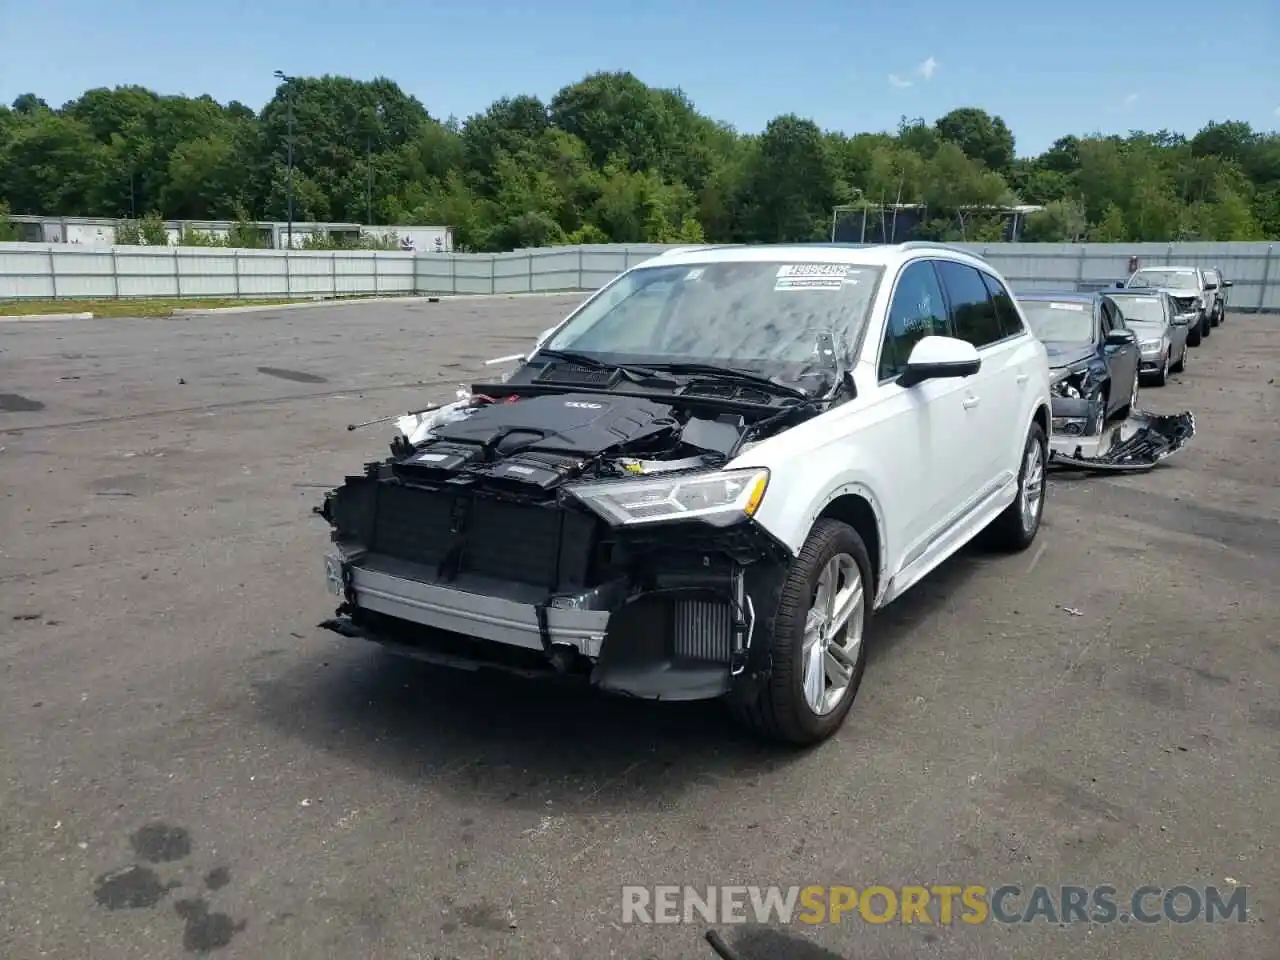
(811, 276)
(1076, 307)
(1143, 300)
(694, 274)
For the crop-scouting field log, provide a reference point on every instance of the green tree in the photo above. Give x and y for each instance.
(610, 158)
(979, 135)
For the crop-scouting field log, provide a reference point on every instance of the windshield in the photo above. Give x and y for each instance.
(1180, 280)
(1066, 322)
(1140, 309)
(773, 318)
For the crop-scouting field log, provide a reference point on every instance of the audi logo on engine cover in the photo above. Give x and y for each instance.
(583, 405)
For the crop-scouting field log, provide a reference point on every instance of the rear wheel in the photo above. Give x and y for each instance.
(1016, 527)
(819, 640)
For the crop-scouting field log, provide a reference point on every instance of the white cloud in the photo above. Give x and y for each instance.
(897, 81)
(928, 68)
(1278, 111)
(1130, 99)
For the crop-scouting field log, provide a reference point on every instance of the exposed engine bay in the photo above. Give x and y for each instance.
(531, 446)
(1079, 409)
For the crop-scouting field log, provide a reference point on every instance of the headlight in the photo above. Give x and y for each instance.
(1150, 346)
(719, 497)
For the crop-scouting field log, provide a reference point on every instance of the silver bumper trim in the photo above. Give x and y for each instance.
(477, 615)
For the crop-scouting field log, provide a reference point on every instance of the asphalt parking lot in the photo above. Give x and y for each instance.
(188, 765)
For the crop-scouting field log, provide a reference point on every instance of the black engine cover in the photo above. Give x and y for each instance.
(577, 425)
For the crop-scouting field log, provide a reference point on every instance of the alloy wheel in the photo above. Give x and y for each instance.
(1032, 487)
(833, 634)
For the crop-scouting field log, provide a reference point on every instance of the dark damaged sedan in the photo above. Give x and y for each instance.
(1094, 359)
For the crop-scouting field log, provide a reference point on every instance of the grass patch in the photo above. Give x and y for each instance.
(146, 306)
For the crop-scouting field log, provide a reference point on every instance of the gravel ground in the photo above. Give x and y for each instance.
(187, 765)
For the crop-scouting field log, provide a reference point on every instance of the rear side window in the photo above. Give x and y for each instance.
(917, 311)
(1006, 313)
(972, 312)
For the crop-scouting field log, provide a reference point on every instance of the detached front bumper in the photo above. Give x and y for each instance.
(1139, 443)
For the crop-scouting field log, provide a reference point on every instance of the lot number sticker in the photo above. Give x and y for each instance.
(1075, 307)
(811, 276)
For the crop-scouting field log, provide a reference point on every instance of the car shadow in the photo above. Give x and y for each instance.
(497, 739)
(901, 620)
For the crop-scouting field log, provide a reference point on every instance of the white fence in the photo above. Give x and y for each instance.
(58, 271)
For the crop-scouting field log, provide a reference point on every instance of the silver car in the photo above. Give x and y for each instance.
(1187, 287)
(1162, 331)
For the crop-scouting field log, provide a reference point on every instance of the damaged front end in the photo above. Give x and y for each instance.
(1078, 406)
(1082, 438)
(584, 534)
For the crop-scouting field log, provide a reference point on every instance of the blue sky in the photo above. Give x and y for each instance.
(1052, 69)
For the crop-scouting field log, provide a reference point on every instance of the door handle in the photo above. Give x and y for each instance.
(1021, 379)
(971, 402)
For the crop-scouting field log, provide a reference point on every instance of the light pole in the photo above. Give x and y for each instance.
(368, 160)
(288, 80)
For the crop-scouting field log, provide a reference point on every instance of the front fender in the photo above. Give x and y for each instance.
(797, 497)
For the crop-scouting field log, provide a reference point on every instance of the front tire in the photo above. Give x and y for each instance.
(1205, 326)
(1016, 527)
(1162, 375)
(1182, 361)
(819, 640)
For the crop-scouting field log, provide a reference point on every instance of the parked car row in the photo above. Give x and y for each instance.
(708, 478)
(1198, 294)
(1103, 345)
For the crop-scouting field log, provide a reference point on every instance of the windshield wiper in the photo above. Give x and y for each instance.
(715, 372)
(637, 374)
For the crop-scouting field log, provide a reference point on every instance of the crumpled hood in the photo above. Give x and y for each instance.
(1063, 354)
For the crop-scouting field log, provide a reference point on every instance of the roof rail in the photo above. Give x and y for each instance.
(934, 245)
(696, 247)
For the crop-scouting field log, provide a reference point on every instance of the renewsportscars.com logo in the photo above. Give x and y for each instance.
(935, 904)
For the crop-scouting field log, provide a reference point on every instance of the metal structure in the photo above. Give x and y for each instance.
(101, 231)
(900, 222)
(288, 96)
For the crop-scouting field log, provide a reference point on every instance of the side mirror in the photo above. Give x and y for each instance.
(1120, 338)
(940, 358)
(1227, 283)
(1183, 320)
